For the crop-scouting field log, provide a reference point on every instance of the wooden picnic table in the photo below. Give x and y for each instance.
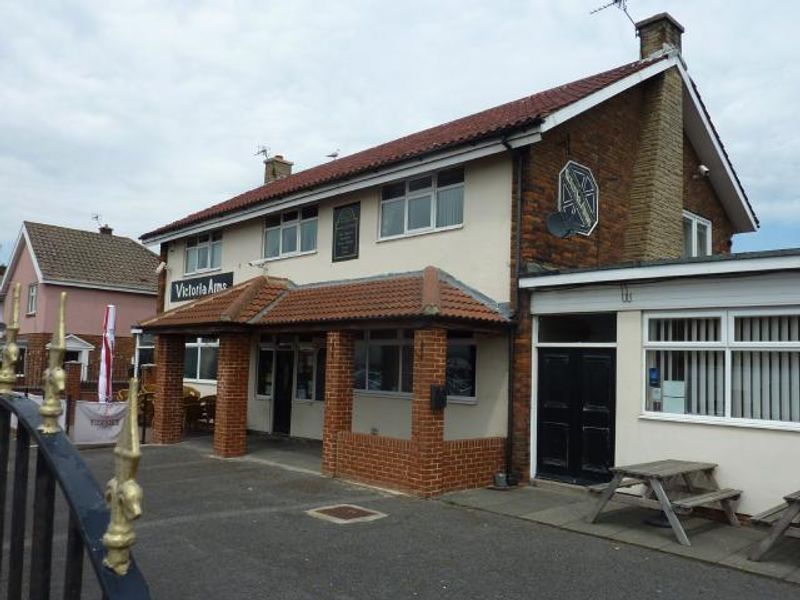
(780, 518)
(656, 478)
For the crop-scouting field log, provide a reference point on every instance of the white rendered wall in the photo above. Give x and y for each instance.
(763, 463)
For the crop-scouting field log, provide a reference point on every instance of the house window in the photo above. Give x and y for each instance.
(203, 252)
(461, 366)
(696, 235)
(19, 367)
(731, 366)
(291, 233)
(200, 359)
(423, 204)
(33, 292)
(145, 350)
(384, 361)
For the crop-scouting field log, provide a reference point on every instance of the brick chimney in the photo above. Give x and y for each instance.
(655, 225)
(657, 33)
(105, 229)
(276, 167)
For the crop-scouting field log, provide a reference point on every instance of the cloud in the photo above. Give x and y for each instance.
(147, 110)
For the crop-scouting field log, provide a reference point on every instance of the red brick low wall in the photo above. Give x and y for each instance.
(392, 462)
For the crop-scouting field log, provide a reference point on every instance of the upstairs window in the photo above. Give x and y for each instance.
(696, 235)
(291, 233)
(33, 292)
(423, 204)
(204, 252)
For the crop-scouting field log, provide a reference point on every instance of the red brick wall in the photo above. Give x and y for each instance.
(168, 405)
(375, 459)
(338, 397)
(699, 197)
(472, 463)
(233, 378)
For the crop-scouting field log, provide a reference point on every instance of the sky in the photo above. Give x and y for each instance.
(145, 111)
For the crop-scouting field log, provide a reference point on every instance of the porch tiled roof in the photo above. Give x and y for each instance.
(501, 119)
(266, 301)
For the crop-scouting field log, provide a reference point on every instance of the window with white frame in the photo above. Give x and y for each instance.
(426, 203)
(741, 366)
(33, 293)
(309, 366)
(200, 359)
(461, 366)
(696, 235)
(145, 350)
(384, 360)
(291, 233)
(203, 252)
(19, 367)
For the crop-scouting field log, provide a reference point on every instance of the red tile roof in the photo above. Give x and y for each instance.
(269, 301)
(515, 115)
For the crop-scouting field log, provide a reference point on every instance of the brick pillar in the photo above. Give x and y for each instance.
(427, 425)
(338, 395)
(521, 393)
(233, 380)
(168, 407)
(72, 388)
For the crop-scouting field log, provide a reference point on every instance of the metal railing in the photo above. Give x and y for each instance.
(99, 524)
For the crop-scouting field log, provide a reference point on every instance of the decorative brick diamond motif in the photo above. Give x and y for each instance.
(342, 514)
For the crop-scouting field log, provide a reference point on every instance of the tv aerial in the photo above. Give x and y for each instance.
(620, 4)
(561, 225)
(263, 150)
(97, 217)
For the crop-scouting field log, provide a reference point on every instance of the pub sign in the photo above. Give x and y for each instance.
(197, 287)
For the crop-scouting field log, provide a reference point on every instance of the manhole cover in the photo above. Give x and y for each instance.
(345, 513)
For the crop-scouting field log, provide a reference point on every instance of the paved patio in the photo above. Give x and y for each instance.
(216, 528)
(566, 507)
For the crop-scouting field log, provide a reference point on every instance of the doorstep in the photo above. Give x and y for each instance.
(565, 506)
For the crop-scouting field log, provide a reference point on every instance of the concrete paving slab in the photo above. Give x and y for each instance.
(715, 542)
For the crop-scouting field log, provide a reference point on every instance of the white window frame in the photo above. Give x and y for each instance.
(296, 346)
(409, 195)
(465, 341)
(137, 363)
(694, 220)
(298, 223)
(728, 345)
(400, 342)
(198, 345)
(33, 298)
(209, 244)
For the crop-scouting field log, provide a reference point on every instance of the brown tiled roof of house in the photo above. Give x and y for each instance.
(268, 301)
(499, 120)
(89, 257)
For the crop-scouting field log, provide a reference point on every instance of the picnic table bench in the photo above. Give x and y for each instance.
(656, 478)
(781, 519)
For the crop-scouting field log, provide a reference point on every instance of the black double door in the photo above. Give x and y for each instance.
(284, 377)
(576, 406)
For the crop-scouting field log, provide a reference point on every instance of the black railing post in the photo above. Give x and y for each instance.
(5, 438)
(73, 574)
(42, 538)
(16, 551)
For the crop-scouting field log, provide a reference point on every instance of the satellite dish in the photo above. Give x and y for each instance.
(558, 224)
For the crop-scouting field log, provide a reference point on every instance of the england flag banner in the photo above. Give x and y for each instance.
(104, 381)
(98, 423)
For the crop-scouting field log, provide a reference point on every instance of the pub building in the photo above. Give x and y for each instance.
(385, 302)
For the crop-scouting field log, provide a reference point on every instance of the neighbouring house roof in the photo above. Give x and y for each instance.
(540, 111)
(75, 257)
(264, 301)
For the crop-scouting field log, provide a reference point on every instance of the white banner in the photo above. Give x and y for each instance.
(62, 420)
(98, 423)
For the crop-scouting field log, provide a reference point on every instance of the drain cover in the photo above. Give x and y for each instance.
(345, 513)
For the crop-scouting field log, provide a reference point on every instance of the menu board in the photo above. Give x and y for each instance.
(346, 220)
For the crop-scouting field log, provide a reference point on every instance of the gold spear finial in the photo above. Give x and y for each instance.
(8, 374)
(123, 494)
(54, 375)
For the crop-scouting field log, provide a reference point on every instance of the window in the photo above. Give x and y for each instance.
(19, 367)
(578, 329)
(145, 350)
(266, 374)
(291, 233)
(734, 366)
(33, 292)
(461, 360)
(696, 235)
(200, 359)
(384, 361)
(203, 252)
(423, 204)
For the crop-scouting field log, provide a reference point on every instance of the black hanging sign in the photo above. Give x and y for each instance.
(196, 287)
(346, 221)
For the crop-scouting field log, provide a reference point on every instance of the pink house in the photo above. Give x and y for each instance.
(95, 269)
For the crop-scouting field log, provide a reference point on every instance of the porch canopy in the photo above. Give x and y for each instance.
(429, 301)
